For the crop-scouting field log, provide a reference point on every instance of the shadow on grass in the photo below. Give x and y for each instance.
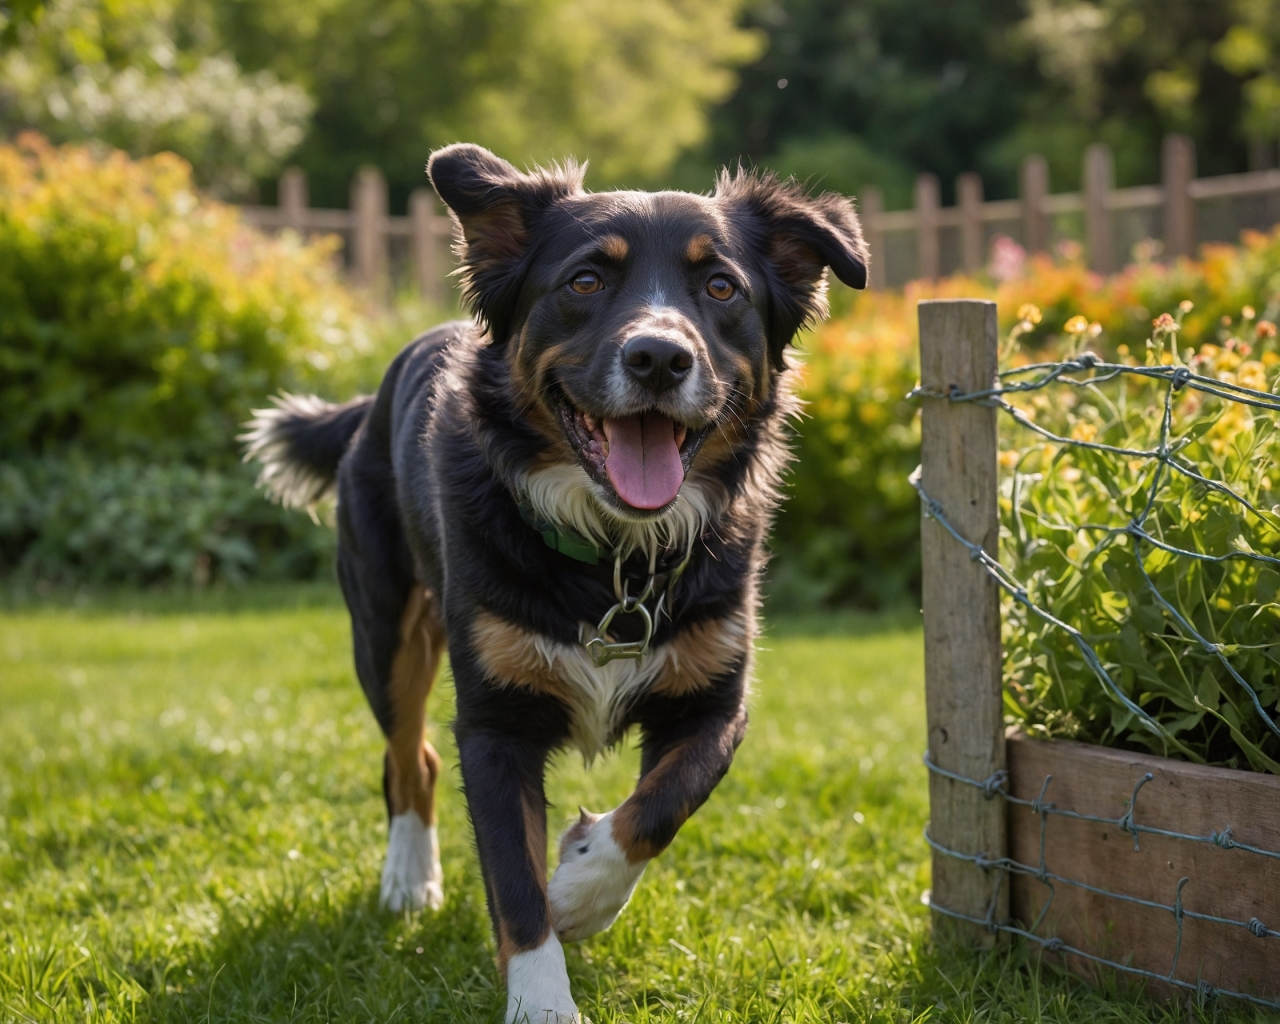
(312, 955)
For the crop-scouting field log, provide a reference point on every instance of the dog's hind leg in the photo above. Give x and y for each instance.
(411, 875)
(398, 639)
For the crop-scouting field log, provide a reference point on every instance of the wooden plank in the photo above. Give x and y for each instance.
(1178, 169)
(872, 209)
(1001, 209)
(969, 201)
(928, 250)
(958, 349)
(1099, 179)
(428, 264)
(1182, 797)
(293, 198)
(1138, 197)
(369, 241)
(1064, 202)
(1034, 186)
(1224, 186)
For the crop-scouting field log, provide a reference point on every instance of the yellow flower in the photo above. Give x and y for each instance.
(1186, 305)
(1076, 325)
(1083, 430)
(1252, 374)
(1030, 312)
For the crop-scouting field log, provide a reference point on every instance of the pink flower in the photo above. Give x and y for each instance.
(1008, 259)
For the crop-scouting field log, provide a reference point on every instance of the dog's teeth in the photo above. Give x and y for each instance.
(590, 422)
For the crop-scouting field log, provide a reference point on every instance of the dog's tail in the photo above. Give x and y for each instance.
(299, 444)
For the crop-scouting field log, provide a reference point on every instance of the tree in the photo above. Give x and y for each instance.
(624, 84)
(877, 90)
(145, 76)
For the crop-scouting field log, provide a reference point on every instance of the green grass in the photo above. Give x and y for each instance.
(191, 830)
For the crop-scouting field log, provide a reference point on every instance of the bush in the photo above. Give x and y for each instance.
(1091, 576)
(848, 533)
(139, 320)
(68, 521)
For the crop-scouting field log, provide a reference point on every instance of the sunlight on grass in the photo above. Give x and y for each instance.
(191, 829)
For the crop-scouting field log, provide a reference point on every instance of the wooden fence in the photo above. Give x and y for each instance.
(1181, 890)
(928, 241)
(373, 239)
(1181, 212)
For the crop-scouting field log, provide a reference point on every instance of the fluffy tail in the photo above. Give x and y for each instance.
(299, 444)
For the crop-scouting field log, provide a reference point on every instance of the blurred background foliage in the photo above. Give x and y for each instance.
(654, 92)
(140, 320)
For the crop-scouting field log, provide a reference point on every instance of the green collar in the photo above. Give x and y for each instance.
(562, 538)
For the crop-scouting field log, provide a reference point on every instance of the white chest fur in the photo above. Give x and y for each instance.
(600, 695)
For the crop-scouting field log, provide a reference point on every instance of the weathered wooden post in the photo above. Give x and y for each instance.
(969, 200)
(428, 269)
(958, 350)
(928, 202)
(1034, 182)
(369, 227)
(872, 204)
(1178, 171)
(293, 199)
(1099, 179)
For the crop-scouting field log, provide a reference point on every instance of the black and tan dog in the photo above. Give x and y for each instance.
(570, 494)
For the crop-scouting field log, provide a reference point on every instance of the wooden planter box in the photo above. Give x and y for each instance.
(1181, 797)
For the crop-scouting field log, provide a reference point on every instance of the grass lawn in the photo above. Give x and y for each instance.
(191, 829)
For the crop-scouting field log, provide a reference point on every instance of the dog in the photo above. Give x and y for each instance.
(570, 493)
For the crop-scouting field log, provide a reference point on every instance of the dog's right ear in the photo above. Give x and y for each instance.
(494, 207)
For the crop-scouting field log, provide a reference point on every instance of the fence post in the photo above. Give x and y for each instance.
(1178, 170)
(427, 269)
(928, 201)
(293, 199)
(1099, 178)
(369, 227)
(969, 199)
(1034, 175)
(872, 206)
(958, 349)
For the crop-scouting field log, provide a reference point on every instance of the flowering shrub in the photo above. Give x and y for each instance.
(139, 319)
(848, 533)
(139, 324)
(1063, 514)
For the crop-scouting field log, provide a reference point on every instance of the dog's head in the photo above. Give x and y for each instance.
(638, 323)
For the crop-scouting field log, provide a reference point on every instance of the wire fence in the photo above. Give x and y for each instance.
(1090, 371)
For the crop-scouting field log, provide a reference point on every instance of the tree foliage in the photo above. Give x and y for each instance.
(149, 76)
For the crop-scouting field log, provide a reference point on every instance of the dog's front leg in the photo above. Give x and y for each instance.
(603, 855)
(503, 779)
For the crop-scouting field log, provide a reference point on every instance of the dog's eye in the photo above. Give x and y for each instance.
(585, 284)
(720, 288)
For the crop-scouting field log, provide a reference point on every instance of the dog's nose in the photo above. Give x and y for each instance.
(657, 364)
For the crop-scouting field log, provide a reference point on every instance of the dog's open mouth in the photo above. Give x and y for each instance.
(641, 459)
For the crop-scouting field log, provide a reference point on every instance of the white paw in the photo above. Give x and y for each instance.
(594, 879)
(411, 875)
(538, 987)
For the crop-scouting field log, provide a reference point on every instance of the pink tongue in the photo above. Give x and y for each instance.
(644, 461)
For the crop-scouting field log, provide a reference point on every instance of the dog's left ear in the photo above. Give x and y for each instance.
(799, 236)
(495, 207)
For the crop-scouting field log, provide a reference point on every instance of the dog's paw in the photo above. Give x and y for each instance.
(594, 880)
(411, 876)
(538, 987)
